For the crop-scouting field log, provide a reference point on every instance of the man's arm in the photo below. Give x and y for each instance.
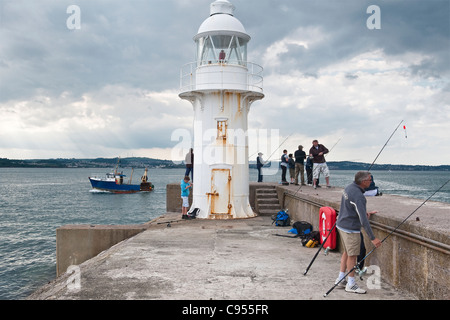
(360, 208)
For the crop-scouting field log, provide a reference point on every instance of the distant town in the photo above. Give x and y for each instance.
(141, 162)
(132, 162)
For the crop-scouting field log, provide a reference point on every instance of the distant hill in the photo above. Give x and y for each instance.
(133, 162)
(348, 165)
(137, 162)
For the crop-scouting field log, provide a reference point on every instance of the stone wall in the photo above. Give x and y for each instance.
(78, 243)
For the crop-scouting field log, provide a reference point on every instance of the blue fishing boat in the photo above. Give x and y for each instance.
(115, 182)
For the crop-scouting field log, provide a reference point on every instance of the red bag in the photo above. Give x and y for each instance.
(326, 226)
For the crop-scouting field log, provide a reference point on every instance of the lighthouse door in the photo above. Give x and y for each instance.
(220, 191)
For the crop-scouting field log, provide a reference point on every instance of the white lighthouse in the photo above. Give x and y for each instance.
(221, 85)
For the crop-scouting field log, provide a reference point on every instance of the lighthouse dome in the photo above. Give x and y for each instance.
(222, 22)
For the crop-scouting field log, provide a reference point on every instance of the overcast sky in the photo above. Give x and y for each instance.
(110, 88)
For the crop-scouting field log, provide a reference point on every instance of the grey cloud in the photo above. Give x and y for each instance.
(406, 26)
(145, 43)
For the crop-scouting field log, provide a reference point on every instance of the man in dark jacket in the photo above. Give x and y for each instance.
(189, 161)
(259, 165)
(300, 156)
(318, 152)
(352, 216)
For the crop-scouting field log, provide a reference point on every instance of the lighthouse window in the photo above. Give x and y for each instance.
(206, 51)
(228, 49)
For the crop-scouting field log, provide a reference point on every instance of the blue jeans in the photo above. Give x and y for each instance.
(190, 170)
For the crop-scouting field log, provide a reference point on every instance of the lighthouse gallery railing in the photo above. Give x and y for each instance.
(224, 75)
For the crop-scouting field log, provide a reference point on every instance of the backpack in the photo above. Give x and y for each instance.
(303, 228)
(281, 219)
(194, 213)
(311, 240)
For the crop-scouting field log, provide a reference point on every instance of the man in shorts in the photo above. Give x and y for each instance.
(352, 216)
(317, 152)
(186, 186)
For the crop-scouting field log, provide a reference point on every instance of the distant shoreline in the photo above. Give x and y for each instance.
(138, 162)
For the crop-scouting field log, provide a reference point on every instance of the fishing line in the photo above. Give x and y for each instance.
(396, 228)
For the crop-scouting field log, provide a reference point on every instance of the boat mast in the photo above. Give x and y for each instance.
(131, 177)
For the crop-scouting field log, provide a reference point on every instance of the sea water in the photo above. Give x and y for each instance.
(34, 202)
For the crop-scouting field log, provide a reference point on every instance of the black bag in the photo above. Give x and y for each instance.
(303, 228)
(313, 236)
(194, 213)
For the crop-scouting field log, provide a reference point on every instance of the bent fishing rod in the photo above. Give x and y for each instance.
(396, 228)
(332, 228)
(384, 146)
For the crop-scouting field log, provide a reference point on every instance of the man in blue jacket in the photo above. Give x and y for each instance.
(352, 216)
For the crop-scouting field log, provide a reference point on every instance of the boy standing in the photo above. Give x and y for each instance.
(185, 188)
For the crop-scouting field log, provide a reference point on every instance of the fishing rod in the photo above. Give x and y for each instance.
(358, 264)
(253, 155)
(275, 149)
(279, 146)
(384, 146)
(333, 146)
(320, 248)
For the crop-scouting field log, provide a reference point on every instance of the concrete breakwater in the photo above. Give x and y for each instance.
(413, 261)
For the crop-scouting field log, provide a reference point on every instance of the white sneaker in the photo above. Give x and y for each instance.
(341, 284)
(354, 289)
